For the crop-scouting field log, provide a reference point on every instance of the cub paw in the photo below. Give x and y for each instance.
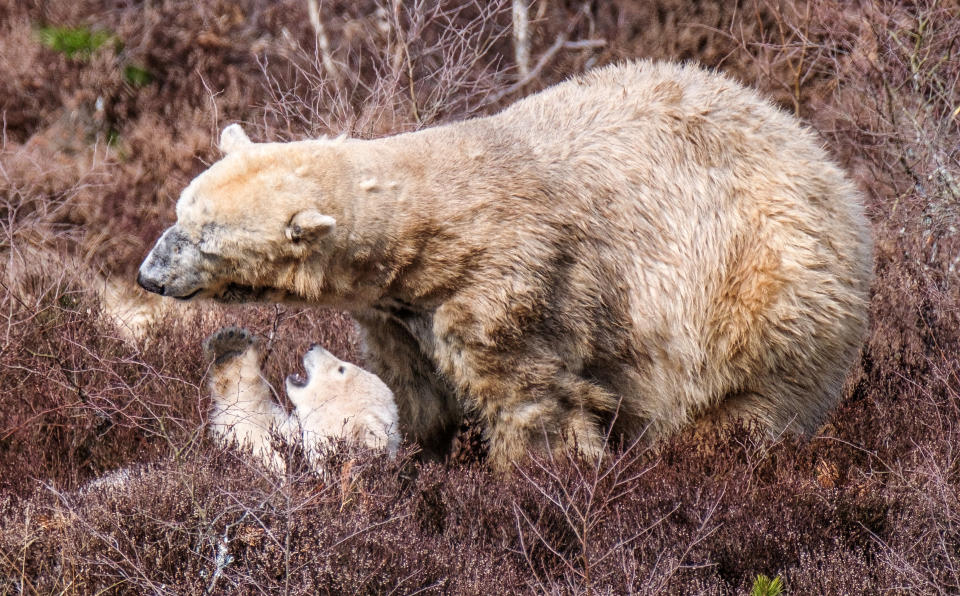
(228, 343)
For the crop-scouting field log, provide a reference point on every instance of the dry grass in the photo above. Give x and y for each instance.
(93, 158)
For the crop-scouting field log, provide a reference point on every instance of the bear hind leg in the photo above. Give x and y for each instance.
(559, 413)
(773, 415)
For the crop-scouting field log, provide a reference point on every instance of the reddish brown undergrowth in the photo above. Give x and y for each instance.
(109, 483)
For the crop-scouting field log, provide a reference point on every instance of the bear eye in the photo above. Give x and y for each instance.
(341, 370)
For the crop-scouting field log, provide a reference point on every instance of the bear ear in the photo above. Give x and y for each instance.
(309, 225)
(233, 138)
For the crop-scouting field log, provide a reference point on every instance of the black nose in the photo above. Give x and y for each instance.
(312, 346)
(149, 285)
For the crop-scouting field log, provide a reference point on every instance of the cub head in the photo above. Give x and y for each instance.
(332, 382)
(246, 226)
(337, 398)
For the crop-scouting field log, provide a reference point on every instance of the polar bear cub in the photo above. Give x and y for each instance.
(335, 399)
(339, 399)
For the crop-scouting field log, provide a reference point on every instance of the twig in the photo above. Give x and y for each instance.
(541, 63)
(406, 52)
(521, 37)
(560, 43)
(214, 134)
(584, 44)
(278, 313)
(323, 42)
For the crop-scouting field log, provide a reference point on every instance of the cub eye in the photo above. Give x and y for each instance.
(341, 370)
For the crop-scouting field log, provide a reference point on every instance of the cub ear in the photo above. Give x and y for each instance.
(309, 225)
(233, 138)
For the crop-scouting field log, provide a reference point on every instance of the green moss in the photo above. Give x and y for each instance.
(137, 76)
(74, 42)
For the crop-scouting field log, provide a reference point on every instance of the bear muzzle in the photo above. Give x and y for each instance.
(156, 286)
(171, 268)
(148, 284)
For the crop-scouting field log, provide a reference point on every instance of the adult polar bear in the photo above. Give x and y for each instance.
(633, 248)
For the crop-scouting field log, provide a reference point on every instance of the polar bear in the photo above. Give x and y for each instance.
(335, 400)
(339, 399)
(636, 248)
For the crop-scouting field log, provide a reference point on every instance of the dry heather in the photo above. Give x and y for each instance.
(104, 123)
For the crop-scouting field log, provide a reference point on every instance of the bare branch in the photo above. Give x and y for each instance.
(521, 37)
(323, 42)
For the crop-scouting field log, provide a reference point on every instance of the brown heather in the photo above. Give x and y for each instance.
(91, 165)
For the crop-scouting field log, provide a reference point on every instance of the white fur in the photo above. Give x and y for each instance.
(233, 138)
(356, 406)
(243, 413)
(626, 252)
(353, 404)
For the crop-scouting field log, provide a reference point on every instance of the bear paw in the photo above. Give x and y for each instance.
(228, 343)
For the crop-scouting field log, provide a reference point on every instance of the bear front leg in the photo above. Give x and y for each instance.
(243, 412)
(429, 411)
(522, 387)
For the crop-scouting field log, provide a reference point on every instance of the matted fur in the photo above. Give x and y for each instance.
(637, 247)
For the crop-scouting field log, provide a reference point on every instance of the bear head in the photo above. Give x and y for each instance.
(246, 226)
(336, 398)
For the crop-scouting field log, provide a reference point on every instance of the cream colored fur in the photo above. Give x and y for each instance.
(243, 412)
(134, 312)
(353, 405)
(342, 400)
(635, 248)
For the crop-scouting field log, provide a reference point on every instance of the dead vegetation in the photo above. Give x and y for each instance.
(98, 142)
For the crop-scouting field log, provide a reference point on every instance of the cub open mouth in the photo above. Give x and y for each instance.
(297, 380)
